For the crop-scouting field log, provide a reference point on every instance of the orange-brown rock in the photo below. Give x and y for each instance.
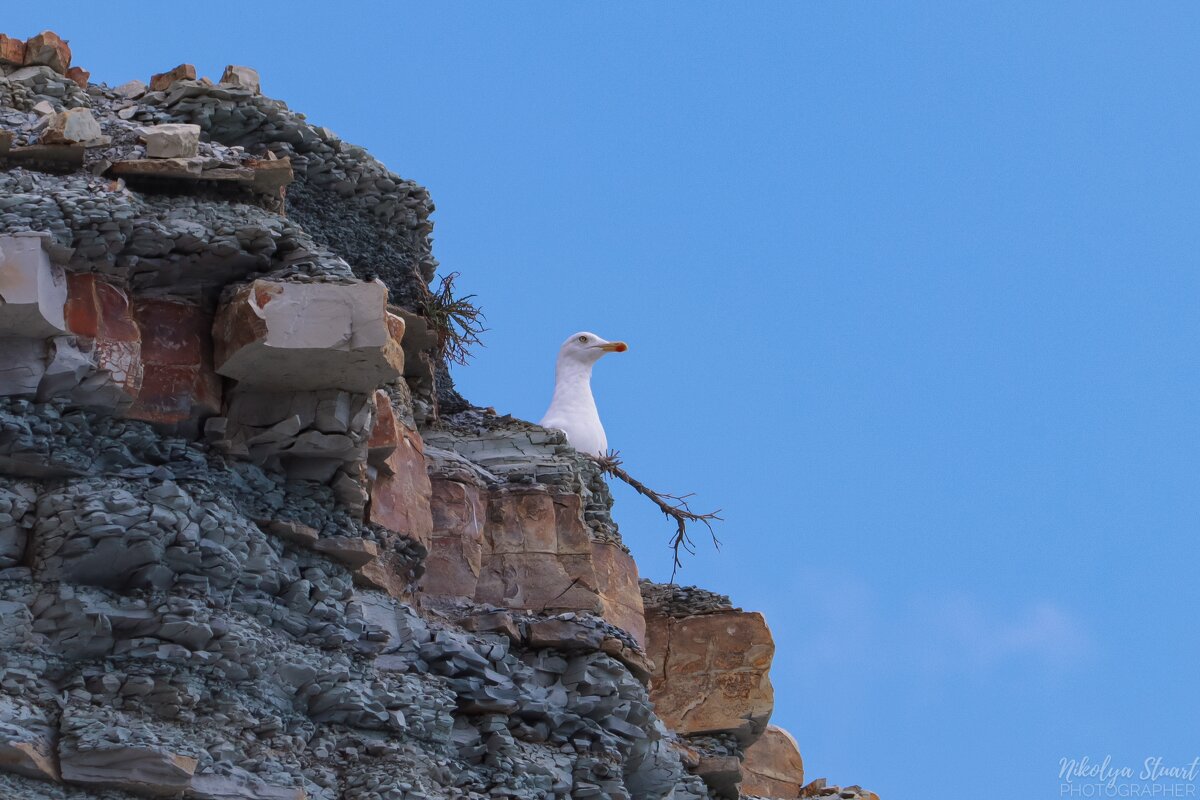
(48, 49)
(456, 546)
(100, 311)
(12, 51)
(385, 429)
(711, 672)
(539, 555)
(80, 76)
(617, 585)
(178, 379)
(164, 80)
(773, 766)
(401, 492)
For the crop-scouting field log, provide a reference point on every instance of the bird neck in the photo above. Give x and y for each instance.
(572, 383)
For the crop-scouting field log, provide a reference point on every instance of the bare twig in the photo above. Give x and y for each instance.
(455, 320)
(674, 506)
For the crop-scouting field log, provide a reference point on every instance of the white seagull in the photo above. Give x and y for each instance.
(573, 409)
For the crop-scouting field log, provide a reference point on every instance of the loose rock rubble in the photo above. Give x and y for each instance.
(242, 554)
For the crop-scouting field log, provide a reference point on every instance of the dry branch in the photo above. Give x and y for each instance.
(674, 506)
(455, 320)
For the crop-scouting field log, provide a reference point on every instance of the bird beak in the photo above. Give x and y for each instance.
(614, 347)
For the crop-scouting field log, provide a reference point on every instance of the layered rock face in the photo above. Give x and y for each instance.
(242, 555)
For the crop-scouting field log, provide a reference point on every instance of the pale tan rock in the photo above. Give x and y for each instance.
(131, 89)
(73, 126)
(33, 291)
(242, 77)
(47, 49)
(711, 672)
(165, 80)
(277, 335)
(773, 766)
(171, 140)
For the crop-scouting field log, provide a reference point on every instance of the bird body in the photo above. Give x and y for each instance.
(573, 408)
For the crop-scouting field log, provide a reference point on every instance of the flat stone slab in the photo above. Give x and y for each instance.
(296, 336)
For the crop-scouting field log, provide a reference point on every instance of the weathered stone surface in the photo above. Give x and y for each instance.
(721, 774)
(278, 335)
(400, 495)
(131, 89)
(385, 429)
(773, 766)
(12, 51)
(353, 552)
(456, 546)
(617, 585)
(22, 364)
(27, 740)
(49, 50)
(171, 140)
(32, 290)
(100, 311)
(711, 672)
(237, 784)
(241, 77)
(165, 80)
(142, 770)
(178, 381)
(80, 76)
(73, 126)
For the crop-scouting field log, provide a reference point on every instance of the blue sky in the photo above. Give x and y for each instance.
(911, 296)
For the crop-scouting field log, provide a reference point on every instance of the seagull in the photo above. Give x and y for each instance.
(573, 409)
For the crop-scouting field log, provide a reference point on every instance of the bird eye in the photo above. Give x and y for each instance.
(583, 338)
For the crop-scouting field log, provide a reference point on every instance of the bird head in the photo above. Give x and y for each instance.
(587, 348)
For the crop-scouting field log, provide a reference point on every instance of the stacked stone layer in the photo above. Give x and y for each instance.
(242, 557)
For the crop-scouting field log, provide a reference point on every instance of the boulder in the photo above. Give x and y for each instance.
(165, 80)
(279, 335)
(711, 672)
(241, 77)
(32, 290)
(773, 766)
(171, 140)
(178, 380)
(73, 126)
(47, 49)
(131, 90)
(12, 51)
(79, 76)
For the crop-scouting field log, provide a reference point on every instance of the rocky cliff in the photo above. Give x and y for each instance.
(245, 554)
